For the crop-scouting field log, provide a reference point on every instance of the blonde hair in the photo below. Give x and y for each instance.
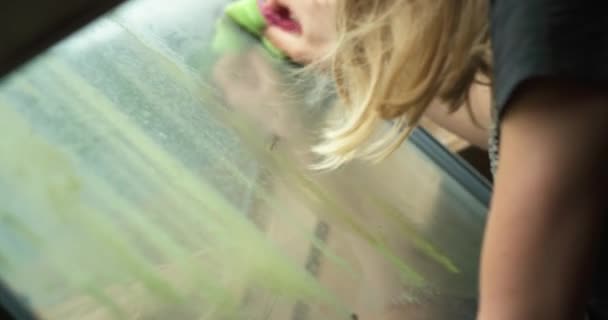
(393, 58)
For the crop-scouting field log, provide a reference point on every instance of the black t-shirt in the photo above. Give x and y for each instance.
(565, 39)
(556, 38)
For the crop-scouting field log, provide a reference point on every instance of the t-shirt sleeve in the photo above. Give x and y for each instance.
(547, 38)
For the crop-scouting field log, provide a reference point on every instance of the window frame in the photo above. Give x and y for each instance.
(28, 27)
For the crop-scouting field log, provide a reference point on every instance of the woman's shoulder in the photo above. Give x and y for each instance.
(547, 38)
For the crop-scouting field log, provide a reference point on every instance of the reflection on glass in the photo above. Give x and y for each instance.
(156, 168)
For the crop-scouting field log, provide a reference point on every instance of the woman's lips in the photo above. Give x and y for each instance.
(279, 16)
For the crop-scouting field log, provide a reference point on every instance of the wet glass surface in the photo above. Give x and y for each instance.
(155, 166)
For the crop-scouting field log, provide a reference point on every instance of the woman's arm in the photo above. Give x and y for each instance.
(460, 122)
(548, 203)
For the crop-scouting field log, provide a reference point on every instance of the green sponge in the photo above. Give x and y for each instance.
(227, 38)
(246, 13)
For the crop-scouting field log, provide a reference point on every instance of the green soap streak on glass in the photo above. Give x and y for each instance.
(186, 82)
(56, 185)
(108, 301)
(419, 242)
(267, 269)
